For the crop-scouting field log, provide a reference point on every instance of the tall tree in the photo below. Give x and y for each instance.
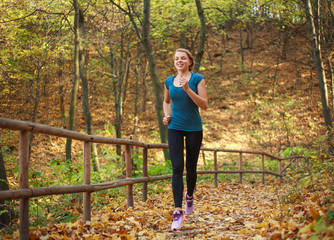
(114, 48)
(39, 63)
(84, 80)
(75, 85)
(202, 39)
(4, 213)
(319, 64)
(153, 67)
(80, 72)
(146, 42)
(153, 71)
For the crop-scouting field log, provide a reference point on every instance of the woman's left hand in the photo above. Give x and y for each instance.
(184, 83)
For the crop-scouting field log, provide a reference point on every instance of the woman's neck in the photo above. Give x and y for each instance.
(184, 73)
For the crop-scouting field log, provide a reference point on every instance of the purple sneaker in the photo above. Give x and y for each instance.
(178, 218)
(189, 208)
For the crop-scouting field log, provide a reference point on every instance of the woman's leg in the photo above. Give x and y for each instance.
(176, 148)
(193, 146)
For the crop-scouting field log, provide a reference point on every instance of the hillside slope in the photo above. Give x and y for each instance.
(249, 109)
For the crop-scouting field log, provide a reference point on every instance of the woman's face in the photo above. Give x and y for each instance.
(181, 61)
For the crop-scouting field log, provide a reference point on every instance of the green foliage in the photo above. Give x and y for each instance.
(276, 119)
(110, 171)
(36, 178)
(109, 130)
(66, 172)
(171, 18)
(297, 150)
(208, 164)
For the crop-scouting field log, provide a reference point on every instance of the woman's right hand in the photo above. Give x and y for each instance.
(166, 120)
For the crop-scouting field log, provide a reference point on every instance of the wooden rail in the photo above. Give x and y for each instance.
(24, 192)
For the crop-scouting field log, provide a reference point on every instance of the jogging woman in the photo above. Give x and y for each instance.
(184, 94)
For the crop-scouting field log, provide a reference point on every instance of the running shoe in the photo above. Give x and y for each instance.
(189, 208)
(178, 218)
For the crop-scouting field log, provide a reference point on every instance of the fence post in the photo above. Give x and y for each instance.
(240, 167)
(145, 168)
(129, 175)
(24, 183)
(86, 180)
(216, 168)
(262, 168)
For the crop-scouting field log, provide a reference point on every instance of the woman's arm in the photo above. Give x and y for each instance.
(166, 106)
(201, 99)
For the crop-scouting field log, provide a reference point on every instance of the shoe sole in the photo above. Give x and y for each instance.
(183, 218)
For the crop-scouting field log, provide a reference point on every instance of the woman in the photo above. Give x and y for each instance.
(183, 94)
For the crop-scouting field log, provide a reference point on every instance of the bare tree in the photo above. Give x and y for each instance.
(319, 64)
(202, 39)
(144, 36)
(80, 71)
(76, 76)
(4, 214)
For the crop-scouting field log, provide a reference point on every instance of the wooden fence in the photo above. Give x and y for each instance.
(24, 193)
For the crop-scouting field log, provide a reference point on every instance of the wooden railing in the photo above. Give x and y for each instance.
(24, 192)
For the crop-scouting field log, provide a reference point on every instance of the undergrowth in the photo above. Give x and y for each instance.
(312, 181)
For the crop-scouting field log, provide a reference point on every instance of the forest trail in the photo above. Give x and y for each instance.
(229, 211)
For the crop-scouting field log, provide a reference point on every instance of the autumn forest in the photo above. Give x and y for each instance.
(98, 67)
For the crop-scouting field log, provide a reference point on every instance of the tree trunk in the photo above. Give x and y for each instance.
(202, 39)
(36, 103)
(330, 29)
(4, 216)
(242, 50)
(183, 40)
(286, 41)
(61, 89)
(145, 40)
(84, 80)
(154, 73)
(117, 88)
(135, 123)
(319, 64)
(119, 80)
(75, 85)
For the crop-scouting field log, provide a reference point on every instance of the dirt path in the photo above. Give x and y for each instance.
(230, 211)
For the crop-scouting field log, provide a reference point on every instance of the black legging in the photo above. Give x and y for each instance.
(176, 151)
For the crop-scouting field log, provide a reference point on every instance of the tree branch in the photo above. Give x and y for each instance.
(16, 19)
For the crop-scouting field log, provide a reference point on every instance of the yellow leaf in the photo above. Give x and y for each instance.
(262, 225)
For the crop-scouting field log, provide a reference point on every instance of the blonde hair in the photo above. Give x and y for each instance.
(190, 56)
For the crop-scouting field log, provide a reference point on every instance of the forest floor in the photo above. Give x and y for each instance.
(230, 211)
(242, 114)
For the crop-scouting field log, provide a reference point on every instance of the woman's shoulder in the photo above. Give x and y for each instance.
(197, 77)
(169, 80)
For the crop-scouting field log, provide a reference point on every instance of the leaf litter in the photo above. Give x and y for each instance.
(229, 211)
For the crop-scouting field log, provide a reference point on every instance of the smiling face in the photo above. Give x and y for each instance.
(182, 61)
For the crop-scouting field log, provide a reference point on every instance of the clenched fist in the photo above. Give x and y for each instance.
(166, 120)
